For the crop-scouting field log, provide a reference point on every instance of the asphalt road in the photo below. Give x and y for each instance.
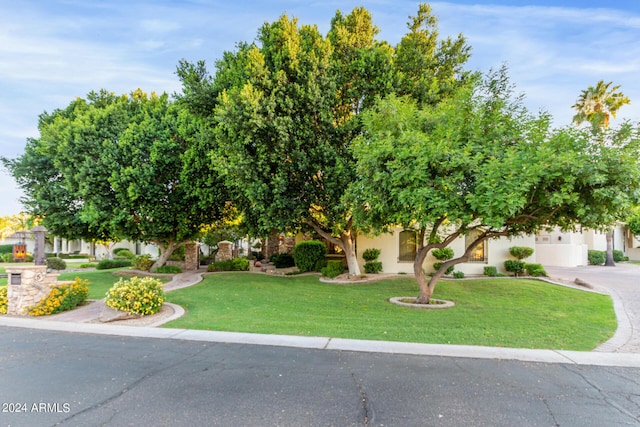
(52, 378)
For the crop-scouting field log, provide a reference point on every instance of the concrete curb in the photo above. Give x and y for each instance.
(336, 344)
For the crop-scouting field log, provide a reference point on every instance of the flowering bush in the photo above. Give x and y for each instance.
(143, 262)
(4, 301)
(61, 298)
(138, 295)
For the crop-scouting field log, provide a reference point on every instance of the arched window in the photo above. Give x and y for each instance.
(407, 245)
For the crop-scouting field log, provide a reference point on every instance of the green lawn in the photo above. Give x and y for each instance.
(503, 312)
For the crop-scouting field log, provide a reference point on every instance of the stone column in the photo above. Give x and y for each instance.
(26, 286)
(191, 256)
(39, 257)
(225, 251)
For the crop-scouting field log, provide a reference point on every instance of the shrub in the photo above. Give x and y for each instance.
(4, 300)
(282, 260)
(178, 253)
(137, 295)
(442, 254)
(63, 297)
(143, 262)
(56, 264)
(240, 264)
(107, 264)
(514, 266)
(373, 267)
(257, 255)
(333, 269)
(168, 269)
(88, 265)
(596, 257)
(6, 249)
(535, 270)
(236, 264)
(309, 254)
(371, 254)
(520, 252)
(618, 255)
(437, 265)
(458, 274)
(123, 253)
(490, 271)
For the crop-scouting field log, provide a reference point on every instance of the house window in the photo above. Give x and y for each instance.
(407, 248)
(479, 252)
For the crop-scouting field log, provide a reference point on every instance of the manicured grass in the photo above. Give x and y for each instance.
(491, 312)
(100, 281)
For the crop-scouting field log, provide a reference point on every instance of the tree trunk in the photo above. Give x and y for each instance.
(425, 290)
(165, 253)
(348, 240)
(609, 262)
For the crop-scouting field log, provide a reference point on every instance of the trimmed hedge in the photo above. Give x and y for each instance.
(514, 266)
(491, 271)
(123, 253)
(168, 269)
(309, 255)
(535, 270)
(107, 264)
(373, 267)
(236, 264)
(437, 265)
(442, 254)
(618, 255)
(520, 252)
(371, 254)
(56, 264)
(333, 269)
(282, 260)
(596, 257)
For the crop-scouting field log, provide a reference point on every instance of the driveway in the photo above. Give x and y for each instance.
(622, 282)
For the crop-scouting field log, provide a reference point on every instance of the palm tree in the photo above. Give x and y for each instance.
(597, 105)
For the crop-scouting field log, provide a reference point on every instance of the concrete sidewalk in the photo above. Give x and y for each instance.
(622, 282)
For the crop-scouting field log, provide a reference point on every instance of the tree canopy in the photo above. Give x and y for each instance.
(287, 109)
(480, 163)
(110, 167)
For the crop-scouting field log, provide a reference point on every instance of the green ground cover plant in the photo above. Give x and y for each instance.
(100, 281)
(504, 313)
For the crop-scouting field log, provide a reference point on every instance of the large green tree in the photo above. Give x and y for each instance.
(479, 164)
(111, 167)
(596, 105)
(287, 109)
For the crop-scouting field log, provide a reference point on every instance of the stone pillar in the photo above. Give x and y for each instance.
(225, 251)
(272, 245)
(191, 256)
(39, 257)
(26, 286)
(287, 244)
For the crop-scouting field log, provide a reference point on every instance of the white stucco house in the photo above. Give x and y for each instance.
(398, 251)
(569, 249)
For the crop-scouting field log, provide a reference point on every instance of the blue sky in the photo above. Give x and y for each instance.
(52, 51)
